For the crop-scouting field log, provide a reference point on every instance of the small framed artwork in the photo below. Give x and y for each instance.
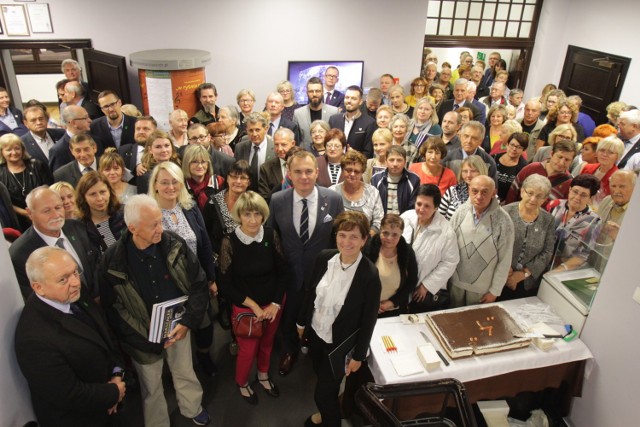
(40, 18)
(15, 19)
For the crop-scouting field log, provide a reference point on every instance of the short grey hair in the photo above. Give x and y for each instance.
(537, 182)
(70, 112)
(33, 194)
(632, 116)
(134, 206)
(232, 112)
(374, 94)
(70, 61)
(75, 87)
(473, 124)
(286, 133)
(277, 95)
(461, 81)
(38, 258)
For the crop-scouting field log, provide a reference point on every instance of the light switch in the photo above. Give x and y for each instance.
(636, 295)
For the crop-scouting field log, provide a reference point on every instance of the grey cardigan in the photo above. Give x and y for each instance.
(540, 243)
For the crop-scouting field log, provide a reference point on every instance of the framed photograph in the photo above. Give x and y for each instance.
(15, 19)
(40, 18)
(299, 72)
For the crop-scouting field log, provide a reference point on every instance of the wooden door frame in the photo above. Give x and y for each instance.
(34, 44)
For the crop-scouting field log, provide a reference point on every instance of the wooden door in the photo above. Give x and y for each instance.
(597, 77)
(107, 71)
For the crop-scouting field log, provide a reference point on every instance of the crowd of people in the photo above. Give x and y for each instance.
(312, 220)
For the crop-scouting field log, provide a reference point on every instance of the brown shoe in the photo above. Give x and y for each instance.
(286, 363)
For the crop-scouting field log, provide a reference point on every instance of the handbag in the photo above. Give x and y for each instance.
(439, 301)
(246, 326)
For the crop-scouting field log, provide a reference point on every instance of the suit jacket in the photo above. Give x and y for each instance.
(92, 109)
(102, 135)
(5, 199)
(67, 364)
(302, 256)
(243, 152)
(129, 153)
(447, 106)
(302, 117)
(60, 153)
(34, 149)
(270, 178)
(360, 308)
(20, 130)
(360, 134)
(69, 173)
(635, 149)
(337, 99)
(76, 232)
(289, 124)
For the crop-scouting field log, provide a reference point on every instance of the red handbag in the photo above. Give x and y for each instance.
(246, 326)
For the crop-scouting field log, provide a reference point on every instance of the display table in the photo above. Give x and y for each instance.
(488, 376)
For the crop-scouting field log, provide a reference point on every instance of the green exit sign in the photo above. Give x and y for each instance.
(481, 56)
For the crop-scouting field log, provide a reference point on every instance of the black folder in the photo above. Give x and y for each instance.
(338, 355)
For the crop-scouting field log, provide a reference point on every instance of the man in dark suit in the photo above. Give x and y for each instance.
(471, 137)
(255, 147)
(83, 149)
(459, 100)
(39, 140)
(75, 94)
(114, 129)
(63, 347)
(331, 95)
(273, 171)
(275, 106)
(132, 153)
(357, 127)
(629, 125)
(78, 122)
(49, 228)
(303, 217)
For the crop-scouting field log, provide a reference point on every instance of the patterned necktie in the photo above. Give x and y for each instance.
(304, 222)
(60, 243)
(270, 131)
(328, 98)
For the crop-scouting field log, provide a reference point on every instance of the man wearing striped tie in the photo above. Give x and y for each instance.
(303, 217)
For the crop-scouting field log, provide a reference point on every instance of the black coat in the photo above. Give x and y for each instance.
(67, 364)
(360, 308)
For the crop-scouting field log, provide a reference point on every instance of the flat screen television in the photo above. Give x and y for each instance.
(300, 71)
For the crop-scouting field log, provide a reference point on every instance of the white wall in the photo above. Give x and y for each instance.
(39, 86)
(15, 402)
(608, 27)
(252, 40)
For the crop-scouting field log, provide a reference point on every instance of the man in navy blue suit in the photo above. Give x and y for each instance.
(39, 140)
(331, 95)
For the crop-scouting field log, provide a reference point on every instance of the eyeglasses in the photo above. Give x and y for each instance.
(564, 113)
(389, 234)
(164, 183)
(198, 162)
(532, 195)
(563, 137)
(284, 91)
(80, 118)
(64, 280)
(198, 138)
(578, 193)
(246, 101)
(516, 146)
(108, 106)
(238, 177)
(333, 146)
(318, 132)
(333, 76)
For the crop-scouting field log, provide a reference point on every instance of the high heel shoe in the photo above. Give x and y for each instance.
(273, 391)
(252, 398)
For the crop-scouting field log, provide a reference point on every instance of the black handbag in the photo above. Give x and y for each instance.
(439, 301)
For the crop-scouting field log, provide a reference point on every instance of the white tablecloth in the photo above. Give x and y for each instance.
(408, 337)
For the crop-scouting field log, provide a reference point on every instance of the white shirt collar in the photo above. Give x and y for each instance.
(246, 239)
(312, 197)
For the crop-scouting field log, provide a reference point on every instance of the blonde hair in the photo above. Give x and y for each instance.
(184, 198)
(250, 201)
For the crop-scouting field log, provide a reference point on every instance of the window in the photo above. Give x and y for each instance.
(40, 60)
(482, 18)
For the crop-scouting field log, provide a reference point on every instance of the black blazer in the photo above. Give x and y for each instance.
(5, 199)
(360, 308)
(67, 364)
(60, 153)
(69, 173)
(129, 153)
(447, 106)
(92, 109)
(102, 135)
(76, 232)
(34, 149)
(360, 134)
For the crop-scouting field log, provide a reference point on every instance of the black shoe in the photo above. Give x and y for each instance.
(273, 391)
(286, 363)
(252, 398)
(206, 364)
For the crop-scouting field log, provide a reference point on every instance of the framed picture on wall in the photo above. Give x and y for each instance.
(299, 72)
(15, 19)
(40, 18)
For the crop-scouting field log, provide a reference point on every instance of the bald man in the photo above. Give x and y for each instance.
(485, 238)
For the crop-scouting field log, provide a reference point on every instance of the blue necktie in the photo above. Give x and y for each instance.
(304, 222)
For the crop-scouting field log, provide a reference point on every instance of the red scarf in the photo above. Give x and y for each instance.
(198, 188)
